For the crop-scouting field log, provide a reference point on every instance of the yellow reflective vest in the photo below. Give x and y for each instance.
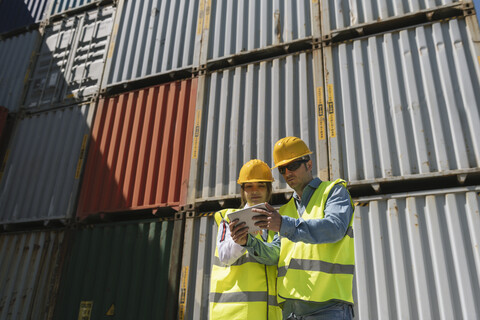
(316, 272)
(244, 290)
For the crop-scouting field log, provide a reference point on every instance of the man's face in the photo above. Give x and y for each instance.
(299, 175)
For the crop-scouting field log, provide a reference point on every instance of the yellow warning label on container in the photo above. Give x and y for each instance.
(111, 311)
(331, 113)
(208, 10)
(112, 42)
(85, 311)
(81, 157)
(183, 293)
(201, 14)
(4, 164)
(321, 114)
(196, 133)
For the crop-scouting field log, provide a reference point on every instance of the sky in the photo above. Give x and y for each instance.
(476, 3)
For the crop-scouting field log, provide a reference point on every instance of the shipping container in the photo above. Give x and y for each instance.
(3, 121)
(239, 27)
(338, 15)
(58, 7)
(405, 105)
(241, 113)
(16, 54)
(151, 38)
(418, 256)
(40, 174)
(122, 271)
(17, 14)
(29, 266)
(140, 150)
(69, 66)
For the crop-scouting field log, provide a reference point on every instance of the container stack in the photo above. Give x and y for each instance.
(124, 125)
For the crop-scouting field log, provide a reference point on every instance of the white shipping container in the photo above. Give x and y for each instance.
(70, 64)
(43, 166)
(405, 104)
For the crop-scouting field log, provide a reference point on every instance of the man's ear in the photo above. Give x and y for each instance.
(309, 165)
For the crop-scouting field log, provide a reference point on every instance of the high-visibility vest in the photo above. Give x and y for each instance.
(244, 290)
(316, 272)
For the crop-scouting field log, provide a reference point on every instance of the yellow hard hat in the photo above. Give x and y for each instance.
(289, 149)
(255, 171)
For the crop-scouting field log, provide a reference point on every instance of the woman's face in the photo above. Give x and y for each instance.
(255, 192)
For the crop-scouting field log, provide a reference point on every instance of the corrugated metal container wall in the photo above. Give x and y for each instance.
(198, 255)
(139, 155)
(15, 55)
(59, 6)
(344, 14)
(3, 120)
(152, 37)
(245, 111)
(405, 104)
(15, 14)
(418, 255)
(240, 26)
(71, 60)
(43, 165)
(123, 271)
(29, 273)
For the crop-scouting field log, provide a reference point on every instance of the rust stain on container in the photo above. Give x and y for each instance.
(139, 156)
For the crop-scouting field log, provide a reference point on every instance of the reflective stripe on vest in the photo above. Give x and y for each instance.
(315, 265)
(244, 296)
(242, 260)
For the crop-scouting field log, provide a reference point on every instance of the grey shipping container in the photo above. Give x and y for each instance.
(43, 166)
(337, 15)
(122, 271)
(239, 27)
(417, 257)
(16, 14)
(241, 113)
(16, 54)
(152, 38)
(56, 7)
(405, 105)
(29, 269)
(69, 66)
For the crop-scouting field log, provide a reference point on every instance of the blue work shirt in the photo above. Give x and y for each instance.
(332, 228)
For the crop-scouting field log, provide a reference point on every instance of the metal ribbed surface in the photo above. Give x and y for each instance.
(151, 38)
(405, 104)
(241, 26)
(417, 256)
(15, 55)
(140, 150)
(15, 14)
(123, 270)
(71, 60)
(343, 14)
(41, 176)
(59, 6)
(243, 113)
(198, 252)
(28, 273)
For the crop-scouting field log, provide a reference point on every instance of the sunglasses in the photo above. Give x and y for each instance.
(291, 166)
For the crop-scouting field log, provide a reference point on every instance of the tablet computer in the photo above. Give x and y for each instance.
(245, 215)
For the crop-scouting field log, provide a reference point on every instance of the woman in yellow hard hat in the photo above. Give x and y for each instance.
(240, 287)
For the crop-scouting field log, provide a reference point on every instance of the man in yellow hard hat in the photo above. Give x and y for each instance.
(316, 256)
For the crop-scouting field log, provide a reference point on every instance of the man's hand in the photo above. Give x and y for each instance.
(268, 219)
(239, 232)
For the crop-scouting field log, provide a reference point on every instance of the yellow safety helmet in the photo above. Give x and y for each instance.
(289, 149)
(255, 171)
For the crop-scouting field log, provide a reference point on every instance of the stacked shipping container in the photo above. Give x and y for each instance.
(383, 92)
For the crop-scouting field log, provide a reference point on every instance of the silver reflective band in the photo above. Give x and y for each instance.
(272, 301)
(315, 265)
(244, 296)
(242, 260)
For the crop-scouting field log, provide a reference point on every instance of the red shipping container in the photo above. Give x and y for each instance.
(3, 120)
(139, 155)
